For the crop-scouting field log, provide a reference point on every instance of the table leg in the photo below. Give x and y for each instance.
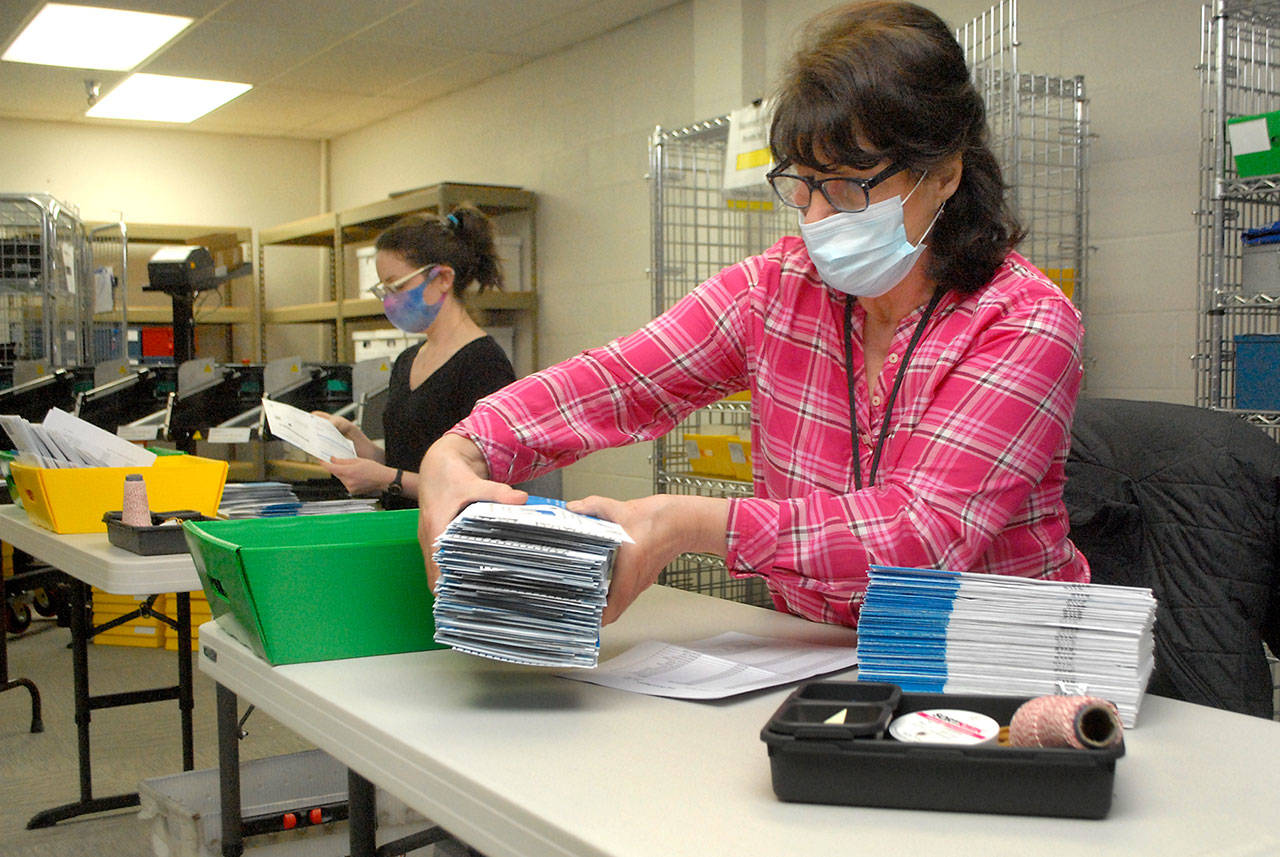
(6, 683)
(229, 773)
(186, 695)
(80, 600)
(362, 815)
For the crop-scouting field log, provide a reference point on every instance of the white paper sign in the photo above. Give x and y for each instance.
(747, 156)
(142, 432)
(1249, 137)
(230, 434)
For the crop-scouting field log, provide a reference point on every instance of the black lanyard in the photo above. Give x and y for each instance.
(897, 382)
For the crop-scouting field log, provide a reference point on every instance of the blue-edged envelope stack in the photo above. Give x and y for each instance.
(951, 632)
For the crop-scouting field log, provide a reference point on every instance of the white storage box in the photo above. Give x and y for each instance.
(186, 816)
(366, 270)
(1260, 269)
(510, 250)
(382, 343)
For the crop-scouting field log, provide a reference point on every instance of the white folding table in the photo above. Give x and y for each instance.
(516, 761)
(90, 560)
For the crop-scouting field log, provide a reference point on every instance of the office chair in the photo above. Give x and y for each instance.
(1185, 501)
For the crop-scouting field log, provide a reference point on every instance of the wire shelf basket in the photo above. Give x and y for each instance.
(44, 281)
(1239, 76)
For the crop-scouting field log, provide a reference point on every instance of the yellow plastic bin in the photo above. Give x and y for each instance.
(144, 631)
(74, 499)
(720, 456)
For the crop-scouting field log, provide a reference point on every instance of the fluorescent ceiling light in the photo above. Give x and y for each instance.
(92, 37)
(161, 98)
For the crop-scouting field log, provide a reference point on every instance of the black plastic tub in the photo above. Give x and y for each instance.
(152, 540)
(813, 762)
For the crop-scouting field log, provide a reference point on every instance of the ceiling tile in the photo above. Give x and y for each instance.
(271, 110)
(49, 92)
(486, 26)
(585, 22)
(450, 77)
(362, 67)
(321, 67)
(342, 17)
(226, 51)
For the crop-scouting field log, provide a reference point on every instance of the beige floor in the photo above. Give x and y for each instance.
(38, 771)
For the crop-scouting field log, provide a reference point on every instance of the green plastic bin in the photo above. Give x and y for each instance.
(317, 587)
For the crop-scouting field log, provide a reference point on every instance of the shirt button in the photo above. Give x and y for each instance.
(893, 358)
(866, 438)
(875, 400)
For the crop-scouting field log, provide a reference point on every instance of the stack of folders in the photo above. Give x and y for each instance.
(525, 584)
(952, 632)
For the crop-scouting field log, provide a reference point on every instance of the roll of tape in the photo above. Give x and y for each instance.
(945, 726)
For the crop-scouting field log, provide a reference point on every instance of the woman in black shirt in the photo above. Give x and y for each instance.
(425, 264)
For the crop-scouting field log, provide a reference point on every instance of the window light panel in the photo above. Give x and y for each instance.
(93, 37)
(162, 98)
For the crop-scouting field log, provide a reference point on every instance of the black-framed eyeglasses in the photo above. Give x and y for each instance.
(844, 193)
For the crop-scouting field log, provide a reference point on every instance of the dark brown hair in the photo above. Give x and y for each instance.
(888, 80)
(463, 240)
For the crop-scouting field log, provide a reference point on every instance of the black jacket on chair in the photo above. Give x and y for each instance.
(1185, 501)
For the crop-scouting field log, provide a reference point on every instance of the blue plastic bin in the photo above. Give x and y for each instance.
(1258, 371)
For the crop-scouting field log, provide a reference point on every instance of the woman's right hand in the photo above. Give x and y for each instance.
(453, 474)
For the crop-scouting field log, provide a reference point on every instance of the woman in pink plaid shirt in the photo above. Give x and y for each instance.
(913, 379)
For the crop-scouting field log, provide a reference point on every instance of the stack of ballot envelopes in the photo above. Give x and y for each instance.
(525, 584)
(969, 633)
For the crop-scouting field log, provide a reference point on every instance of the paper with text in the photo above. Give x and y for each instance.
(720, 666)
(312, 434)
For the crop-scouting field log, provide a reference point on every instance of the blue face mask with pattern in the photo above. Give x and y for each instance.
(408, 309)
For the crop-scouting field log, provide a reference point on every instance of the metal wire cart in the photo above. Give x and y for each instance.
(45, 289)
(1240, 76)
(1039, 127)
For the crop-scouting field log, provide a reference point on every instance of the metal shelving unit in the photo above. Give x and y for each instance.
(511, 208)
(1039, 127)
(1239, 76)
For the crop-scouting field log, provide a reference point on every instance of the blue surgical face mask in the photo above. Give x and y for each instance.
(408, 310)
(864, 253)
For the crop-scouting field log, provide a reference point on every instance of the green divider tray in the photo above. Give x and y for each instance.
(317, 587)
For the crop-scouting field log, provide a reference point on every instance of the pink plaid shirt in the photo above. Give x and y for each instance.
(971, 476)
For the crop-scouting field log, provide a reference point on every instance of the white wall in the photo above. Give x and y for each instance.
(573, 128)
(156, 175)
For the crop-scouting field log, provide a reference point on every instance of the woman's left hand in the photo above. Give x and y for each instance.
(662, 526)
(360, 476)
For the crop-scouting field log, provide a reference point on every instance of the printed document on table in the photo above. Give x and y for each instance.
(312, 434)
(720, 666)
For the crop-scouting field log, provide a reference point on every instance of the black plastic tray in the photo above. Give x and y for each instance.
(817, 764)
(153, 540)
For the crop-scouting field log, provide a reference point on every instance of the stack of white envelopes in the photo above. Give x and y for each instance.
(525, 584)
(950, 632)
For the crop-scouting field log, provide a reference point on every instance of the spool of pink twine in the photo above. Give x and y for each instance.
(135, 512)
(1082, 722)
